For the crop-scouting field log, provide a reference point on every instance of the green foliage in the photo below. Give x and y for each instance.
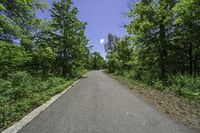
(159, 85)
(12, 58)
(68, 32)
(187, 12)
(57, 46)
(118, 53)
(38, 58)
(22, 92)
(17, 18)
(163, 39)
(185, 86)
(97, 61)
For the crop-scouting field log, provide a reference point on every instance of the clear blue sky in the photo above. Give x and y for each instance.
(102, 17)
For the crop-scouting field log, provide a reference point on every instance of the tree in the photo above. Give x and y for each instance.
(18, 23)
(110, 49)
(68, 36)
(187, 25)
(151, 29)
(120, 55)
(98, 61)
(110, 45)
(17, 19)
(163, 41)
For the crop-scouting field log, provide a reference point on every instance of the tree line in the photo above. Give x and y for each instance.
(57, 46)
(163, 42)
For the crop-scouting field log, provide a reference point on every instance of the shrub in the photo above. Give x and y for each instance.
(4, 86)
(19, 87)
(22, 92)
(11, 58)
(158, 84)
(185, 85)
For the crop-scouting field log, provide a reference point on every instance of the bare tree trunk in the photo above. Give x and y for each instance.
(190, 59)
(163, 52)
(195, 66)
(64, 72)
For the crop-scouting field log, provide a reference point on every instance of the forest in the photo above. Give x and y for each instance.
(39, 58)
(161, 48)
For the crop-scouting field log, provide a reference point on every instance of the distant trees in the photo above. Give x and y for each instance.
(97, 61)
(118, 53)
(163, 40)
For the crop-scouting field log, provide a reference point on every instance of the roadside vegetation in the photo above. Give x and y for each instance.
(161, 49)
(39, 58)
(177, 107)
(21, 93)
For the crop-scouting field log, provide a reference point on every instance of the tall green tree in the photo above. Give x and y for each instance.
(69, 37)
(151, 29)
(187, 29)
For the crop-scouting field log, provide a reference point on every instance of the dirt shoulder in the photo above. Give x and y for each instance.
(178, 108)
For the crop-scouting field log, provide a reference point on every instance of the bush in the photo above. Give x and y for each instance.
(4, 86)
(158, 84)
(185, 85)
(12, 57)
(145, 76)
(19, 78)
(182, 85)
(22, 92)
(18, 86)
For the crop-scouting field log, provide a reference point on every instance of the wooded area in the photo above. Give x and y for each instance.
(162, 48)
(39, 58)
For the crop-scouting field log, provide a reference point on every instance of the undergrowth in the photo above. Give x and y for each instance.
(21, 92)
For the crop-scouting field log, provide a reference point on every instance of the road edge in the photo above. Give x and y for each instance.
(30, 116)
(150, 101)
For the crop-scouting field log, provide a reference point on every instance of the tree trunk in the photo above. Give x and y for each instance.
(64, 72)
(163, 52)
(190, 59)
(195, 66)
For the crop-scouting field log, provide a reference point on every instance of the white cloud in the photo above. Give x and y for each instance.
(102, 41)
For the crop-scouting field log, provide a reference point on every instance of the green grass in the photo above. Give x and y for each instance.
(181, 85)
(21, 93)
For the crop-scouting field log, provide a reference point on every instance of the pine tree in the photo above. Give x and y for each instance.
(68, 35)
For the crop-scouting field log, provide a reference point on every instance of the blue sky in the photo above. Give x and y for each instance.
(102, 17)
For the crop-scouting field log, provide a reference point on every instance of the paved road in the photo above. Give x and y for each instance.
(98, 104)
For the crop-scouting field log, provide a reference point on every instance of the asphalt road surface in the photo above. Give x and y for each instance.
(99, 104)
